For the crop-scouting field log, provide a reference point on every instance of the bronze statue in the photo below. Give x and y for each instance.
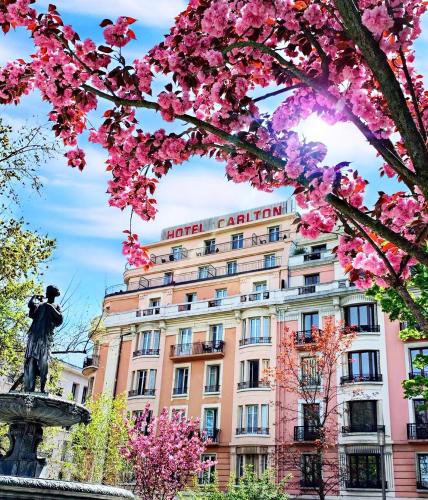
(46, 316)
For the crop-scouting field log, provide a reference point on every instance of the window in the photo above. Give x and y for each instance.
(74, 391)
(309, 371)
(184, 341)
(421, 413)
(264, 418)
(203, 272)
(253, 373)
(311, 470)
(210, 422)
(191, 297)
(216, 334)
(261, 286)
(221, 293)
(252, 418)
(212, 378)
(242, 371)
(274, 233)
(177, 253)
(208, 475)
(240, 417)
(266, 327)
(154, 302)
(167, 278)
(255, 330)
(147, 343)
(312, 279)
(361, 316)
(270, 260)
(145, 382)
(364, 471)
(363, 416)
(181, 381)
(311, 414)
(263, 461)
(363, 365)
(232, 267)
(257, 463)
(310, 321)
(84, 394)
(422, 459)
(413, 353)
(237, 241)
(209, 246)
(315, 253)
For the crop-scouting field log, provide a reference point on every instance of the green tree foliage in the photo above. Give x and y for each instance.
(392, 303)
(94, 449)
(250, 487)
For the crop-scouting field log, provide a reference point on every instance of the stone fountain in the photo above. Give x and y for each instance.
(28, 412)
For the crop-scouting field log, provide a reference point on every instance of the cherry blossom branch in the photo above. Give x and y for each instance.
(391, 89)
(278, 92)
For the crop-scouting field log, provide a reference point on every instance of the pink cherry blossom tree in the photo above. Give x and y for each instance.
(165, 453)
(344, 61)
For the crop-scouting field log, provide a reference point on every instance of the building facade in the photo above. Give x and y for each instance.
(198, 331)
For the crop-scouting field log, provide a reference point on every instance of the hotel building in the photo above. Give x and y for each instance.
(198, 330)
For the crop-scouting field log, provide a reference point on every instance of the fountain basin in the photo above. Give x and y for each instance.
(25, 488)
(41, 408)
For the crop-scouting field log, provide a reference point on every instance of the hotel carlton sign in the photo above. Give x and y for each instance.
(227, 220)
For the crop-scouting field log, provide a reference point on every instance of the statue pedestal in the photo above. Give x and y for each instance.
(21, 459)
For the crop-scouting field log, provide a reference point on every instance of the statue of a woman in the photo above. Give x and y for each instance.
(46, 316)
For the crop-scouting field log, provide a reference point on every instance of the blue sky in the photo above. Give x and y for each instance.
(73, 205)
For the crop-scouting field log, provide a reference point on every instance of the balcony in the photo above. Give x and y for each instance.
(212, 434)
(365, 428)
(180, 391)
(309, 483)
(212, 388)
(303, 433)
(310, 380)
(152, 311)
(417, 431)
(141, 392)
(191, 277)
(179, 254)
(308, 257)
(304, 337)
(241, 431)
(146, 352)
(304, 290)
(371, 377)
(251, 297)
(366, 483)
(206, 350)
(255, 340)
(253, 384)
(418, 373)
(364, 328)
(90, 364)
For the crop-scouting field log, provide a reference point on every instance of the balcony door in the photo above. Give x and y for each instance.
(311, 415)
(361, 316)
(213, 378)
(413, 353)
(216, 335)
(363, 416)
(253, 372)
(363, 365)
(310, 321)
(252, 418)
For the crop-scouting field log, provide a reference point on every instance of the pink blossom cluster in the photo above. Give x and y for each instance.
(221, 88)
(165, 453)
(136, 253)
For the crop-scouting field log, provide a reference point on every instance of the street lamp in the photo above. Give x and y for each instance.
(381, 439)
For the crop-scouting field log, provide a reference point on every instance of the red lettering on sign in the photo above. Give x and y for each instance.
(231, 221)
(277, 210)
(266, 213)
(195, 228)
(170, 234)
(188, 229)
(256, 214)
(220, 223)
(179, 232)
(240, 219)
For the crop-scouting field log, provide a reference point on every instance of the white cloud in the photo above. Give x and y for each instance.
(93, 257)
(155, 13)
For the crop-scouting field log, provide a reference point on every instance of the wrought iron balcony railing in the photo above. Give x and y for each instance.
(306, 432)
(180, 391)
(212, 388)
(251, 297)
(417, 431)
(303, 337)
(303, 290)
(146, 352)
(197, 348)
(253, 384)
(252, 430)
(93, 360)
(255, 340)
(348, 429)
(365, 483)
(364, 328)
(174, 256)
(416, 373)
(310, 380)
(141, 392)
(369, 377)
(212, 434)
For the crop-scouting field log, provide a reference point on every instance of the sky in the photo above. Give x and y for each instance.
(72, 206)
